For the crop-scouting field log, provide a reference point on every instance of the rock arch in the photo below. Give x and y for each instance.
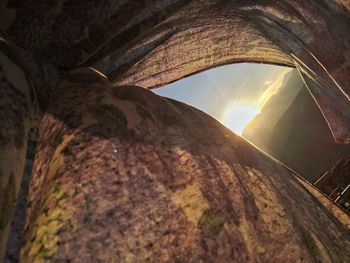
(151, 43)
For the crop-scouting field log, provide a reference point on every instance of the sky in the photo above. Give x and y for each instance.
(233, 94)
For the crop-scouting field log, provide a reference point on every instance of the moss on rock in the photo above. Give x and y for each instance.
(211, 223)
(310, 243)
(144, 113)
(110, 114)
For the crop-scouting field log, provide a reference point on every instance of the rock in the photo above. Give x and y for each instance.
(291, 129)
(149, 44)
(153, 43)
(19, 111)
(336, 180)
(180, 187)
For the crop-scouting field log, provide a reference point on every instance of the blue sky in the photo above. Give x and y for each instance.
(233, 94)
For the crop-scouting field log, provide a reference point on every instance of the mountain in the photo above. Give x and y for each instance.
(294, 131)
(259, 130)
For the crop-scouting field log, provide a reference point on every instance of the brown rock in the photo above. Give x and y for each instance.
(136, 177)
(151, 43)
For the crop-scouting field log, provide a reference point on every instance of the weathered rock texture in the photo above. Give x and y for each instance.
(327, 202)
(224, 195)
(18, 109)
(150, 43)
(124, 175)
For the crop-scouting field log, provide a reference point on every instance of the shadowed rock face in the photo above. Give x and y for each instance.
(296, 133)
(126, 175)
(310, 136)
(73, 32)
(18, 109)
(151, 43)
(335, 181)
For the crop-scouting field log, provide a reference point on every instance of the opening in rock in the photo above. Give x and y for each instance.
(269, 106)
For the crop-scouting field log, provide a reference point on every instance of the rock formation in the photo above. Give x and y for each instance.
(125, 175)
(122, 174)
(292, 130)
(18, 109)
(336, 180)
(150, 43)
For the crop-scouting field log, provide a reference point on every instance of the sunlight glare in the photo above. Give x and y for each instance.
(237, 116)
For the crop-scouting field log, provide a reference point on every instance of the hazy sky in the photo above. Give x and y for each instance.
(233, 94)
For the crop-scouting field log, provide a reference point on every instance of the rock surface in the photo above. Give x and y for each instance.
(124, 175)
(18, 108)
(151, 43)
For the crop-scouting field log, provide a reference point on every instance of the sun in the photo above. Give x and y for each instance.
(237, 116)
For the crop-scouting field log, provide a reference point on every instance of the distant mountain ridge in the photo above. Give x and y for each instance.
(258, 131)
(292, 129)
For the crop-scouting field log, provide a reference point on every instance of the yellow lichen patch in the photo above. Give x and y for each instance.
(130, 258)
(53, 216)
(191, 200)
(44, 235)
(57, 159)
(44, 239)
